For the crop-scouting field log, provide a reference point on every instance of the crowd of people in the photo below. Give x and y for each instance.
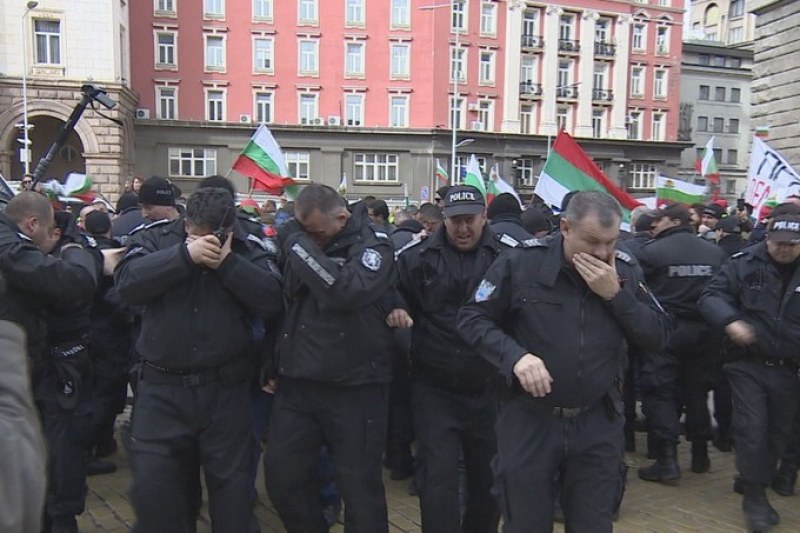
(494, 355)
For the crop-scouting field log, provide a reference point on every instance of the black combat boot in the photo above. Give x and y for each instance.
(700, 460)
(784, 480)
(760, 515)
(666, 466)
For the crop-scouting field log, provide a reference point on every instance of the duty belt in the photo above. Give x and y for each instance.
(194, 377)
(774, 361)
(555, 412)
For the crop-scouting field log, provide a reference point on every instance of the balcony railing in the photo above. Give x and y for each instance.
(530, 88)
(605, 49)
(603, 95)
(532, 41)
(568, 45)
(567, 92)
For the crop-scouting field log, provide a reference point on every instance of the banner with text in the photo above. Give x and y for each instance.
(770, 178)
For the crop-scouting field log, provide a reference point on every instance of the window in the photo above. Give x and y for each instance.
(526, 119)
(215, 105)
(401, 14)
(662, 40)
(530, 23)
(658, 125)
(398, 111)
(702, 123)
(457, 109)
(167, 103)
(354, 109)
(733, 157)
(165, 49)
(718, 154)
(598, 122)
(564, 77)
(660, 84)
(192, 162)
(307, 12)
(354, 13)
(735, 62)
(637, 82)
(308, 65)
(486, 115)
(263, 55)
(703, 59)
(215, 52)
(488, 18)
(298, 163)
(400, 67)
(730, 187)
(262, 9)
(263, 107)
(736, 8)
(47, 34)
(566, 27)
(643, 176)
(711, 15)
(376, 167)
(562, 118)
(736, 95)
(527, 71)
(461, 168)
(599, 78)
(458, 17)
(214, 8)
(308, 108)
(735, 35)
(635, 125)
(719, 61)
(165, 6)
(711, 36)
(457, 58)
(601, 34)
(525, 169)
(354, 59)
(639, 37)
(719, 125)
(705, 92)
(719, 94)
(733, 125)
(486, 68)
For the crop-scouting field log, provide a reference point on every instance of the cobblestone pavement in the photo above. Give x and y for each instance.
(698, 502)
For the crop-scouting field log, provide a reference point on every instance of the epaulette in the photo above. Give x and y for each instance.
(738, 254)
(148, 225)
(534, 243)
(622, 256)
(380, 234)
(508, 240)
(407, 246)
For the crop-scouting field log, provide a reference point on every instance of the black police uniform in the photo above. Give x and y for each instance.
(532, 301)
(193, 398)
(127, 221)
(334, 368)
(677, 266)
(510, 226)
(763, 376)
(454, 404)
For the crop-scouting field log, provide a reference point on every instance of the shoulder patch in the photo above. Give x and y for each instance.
(380, 234)
(484, 291)
(410, 244)
(622, 256)
(371, 259)
(534, 243)
(508, 240)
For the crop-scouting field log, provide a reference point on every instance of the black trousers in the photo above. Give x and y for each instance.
(764, 406)
(790, 458)
(449, 426)
(351, 422)
(178, 427)
(401, 428)
(108, 400)
(586, 451)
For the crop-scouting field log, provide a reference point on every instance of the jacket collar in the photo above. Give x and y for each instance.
(553, 260)
(673, 231)
(438, 240)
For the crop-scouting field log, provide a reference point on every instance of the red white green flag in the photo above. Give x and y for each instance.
(498, 186)
(262, 161)
(669, 190)
(74, 186)
(474, 175)
(568, 168)
(707, 165)
(441, 173)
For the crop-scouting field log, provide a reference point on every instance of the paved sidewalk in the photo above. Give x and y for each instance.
(698, 502)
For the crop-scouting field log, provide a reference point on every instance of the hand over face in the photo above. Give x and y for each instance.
(601, 277)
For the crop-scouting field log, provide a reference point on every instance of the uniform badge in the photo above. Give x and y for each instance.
(484, 291)
(371, 259)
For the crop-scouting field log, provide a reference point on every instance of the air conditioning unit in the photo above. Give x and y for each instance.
(245, 119)
(318, 121)
(568, 46)
(142, 113)
(477, 125)
(333, 120)
(473, 106)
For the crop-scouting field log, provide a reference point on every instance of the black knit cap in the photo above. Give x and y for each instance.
(503, 204)
(97, 223)
(157, 191)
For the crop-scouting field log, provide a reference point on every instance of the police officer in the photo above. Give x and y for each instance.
(729, 235)
(36, 282)
(553, 318)
(334, 363)
(505, 218)
(755, 299)
(201, 281)
(677, 266)
(453, 401)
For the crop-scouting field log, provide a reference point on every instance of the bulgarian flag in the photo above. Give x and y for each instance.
(568, 168)
(262, 161)
(474, 176)
(706, 165)
(498, 185)
(75, 186)
(441, 173)
(670, 190)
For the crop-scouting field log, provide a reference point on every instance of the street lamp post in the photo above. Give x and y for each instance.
(31, 5)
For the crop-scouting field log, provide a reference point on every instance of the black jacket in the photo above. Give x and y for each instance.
(677, 266)
(126, 222)
(35, 281)
(337, 301)
(111, 323)
(749, 287)
(435, 280)
(731, 244)
(510, 226)
(532, 301)
(195, 317)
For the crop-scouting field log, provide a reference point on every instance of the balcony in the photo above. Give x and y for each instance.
(529, 88)
(602, 95)
(605, 49)
(532, 41)
(569, 46)
(569, 92)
